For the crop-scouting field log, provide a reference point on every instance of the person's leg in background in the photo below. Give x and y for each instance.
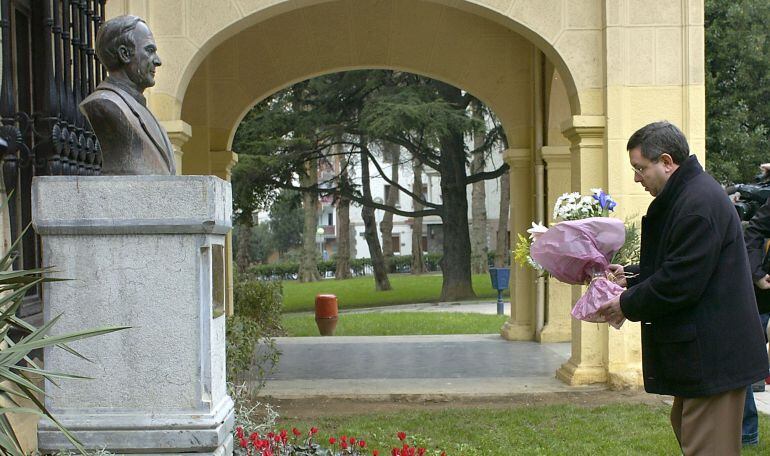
(750, 426)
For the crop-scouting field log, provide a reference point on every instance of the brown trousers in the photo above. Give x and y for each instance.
(709, 425)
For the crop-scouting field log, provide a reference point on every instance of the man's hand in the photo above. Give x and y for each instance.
(612, 311)
(617, 271)
(763, 283)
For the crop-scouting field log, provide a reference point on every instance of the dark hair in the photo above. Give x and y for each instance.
(112, 34)
(658, 138)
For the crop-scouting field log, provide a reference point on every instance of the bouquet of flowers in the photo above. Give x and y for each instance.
(579, 249)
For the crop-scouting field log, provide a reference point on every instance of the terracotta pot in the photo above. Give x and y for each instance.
(326, 313)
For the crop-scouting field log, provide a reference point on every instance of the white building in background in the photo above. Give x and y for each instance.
(432, 232)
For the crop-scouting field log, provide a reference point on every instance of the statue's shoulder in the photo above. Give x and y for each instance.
(104, 101)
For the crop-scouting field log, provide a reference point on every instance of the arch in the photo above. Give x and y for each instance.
(463, 48)
(540, 23)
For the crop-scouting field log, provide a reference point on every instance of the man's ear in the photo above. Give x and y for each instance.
(666, 159)
(124, 53)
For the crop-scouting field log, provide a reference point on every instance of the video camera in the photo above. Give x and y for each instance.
(751, 196)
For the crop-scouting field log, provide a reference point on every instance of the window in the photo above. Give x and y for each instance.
(396, 240)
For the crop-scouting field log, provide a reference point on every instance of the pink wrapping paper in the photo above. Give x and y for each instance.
(579, 251)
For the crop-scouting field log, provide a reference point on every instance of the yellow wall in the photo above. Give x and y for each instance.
(611, 66)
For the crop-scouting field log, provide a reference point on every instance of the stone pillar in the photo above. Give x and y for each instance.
(588, 170)
(521, 325)
(179, 132)
(558, 327)
(145, 252)
(221, 165)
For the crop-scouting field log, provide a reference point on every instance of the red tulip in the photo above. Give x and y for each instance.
(361, 443)
(244, 443)
(296, 432)
(401, 435)
(332, 440)
(313, 430)
(375, 453)
(352, 440)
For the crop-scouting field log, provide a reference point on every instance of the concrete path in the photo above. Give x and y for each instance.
(423, 367)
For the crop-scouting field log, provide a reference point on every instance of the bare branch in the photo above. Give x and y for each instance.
(399, 186)
(487, 175)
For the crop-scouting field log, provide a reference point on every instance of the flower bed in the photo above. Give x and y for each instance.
(282, 443)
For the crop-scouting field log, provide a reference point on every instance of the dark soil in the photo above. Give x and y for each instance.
(298, 409)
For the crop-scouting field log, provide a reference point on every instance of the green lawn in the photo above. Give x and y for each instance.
(359, 292)
(616, 429)
(398, 323)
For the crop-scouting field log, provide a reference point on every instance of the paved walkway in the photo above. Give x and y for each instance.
(422, 367)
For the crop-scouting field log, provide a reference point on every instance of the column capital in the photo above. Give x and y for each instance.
(556, 154)
(222, 162)
(179, 132)
(518, 158)
(585, 131)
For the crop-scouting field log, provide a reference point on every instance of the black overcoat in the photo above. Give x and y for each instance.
(757, 231)
(701, 333)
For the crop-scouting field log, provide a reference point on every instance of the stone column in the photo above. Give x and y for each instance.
(558, 327)
(221, 165)
(588, 170)
(521, 325)
(145, 252)
(179, 132)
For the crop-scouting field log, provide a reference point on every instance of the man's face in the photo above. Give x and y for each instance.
(653, 175)
(141, 68)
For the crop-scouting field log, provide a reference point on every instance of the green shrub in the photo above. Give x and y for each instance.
(256, 320)
(260, 300)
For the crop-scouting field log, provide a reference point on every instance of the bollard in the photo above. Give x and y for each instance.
(326, 313)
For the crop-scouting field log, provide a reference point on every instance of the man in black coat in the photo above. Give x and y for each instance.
(692, 291)
(757, 231)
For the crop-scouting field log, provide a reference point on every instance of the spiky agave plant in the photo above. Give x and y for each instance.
(16, 366)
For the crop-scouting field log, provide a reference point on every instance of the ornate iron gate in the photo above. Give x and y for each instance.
(48, 67)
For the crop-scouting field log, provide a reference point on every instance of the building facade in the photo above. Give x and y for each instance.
(570, 80)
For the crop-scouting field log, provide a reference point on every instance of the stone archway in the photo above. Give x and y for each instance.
(612, 58)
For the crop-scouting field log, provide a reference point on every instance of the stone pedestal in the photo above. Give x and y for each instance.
(146, 252)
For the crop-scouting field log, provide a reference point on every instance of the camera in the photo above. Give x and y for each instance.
(751, 196)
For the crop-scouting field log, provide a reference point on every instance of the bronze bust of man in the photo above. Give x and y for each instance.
(132, 140)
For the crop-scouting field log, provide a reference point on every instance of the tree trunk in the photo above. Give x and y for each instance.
(243, 254)
(456, 262)
(391, 153)
(503, 250)
(381, 281)
(479, 247)
(343, 221)
(343, 240)
(418, 264)
(308, 265)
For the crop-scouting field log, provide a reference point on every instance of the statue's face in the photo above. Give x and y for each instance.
(141, 68)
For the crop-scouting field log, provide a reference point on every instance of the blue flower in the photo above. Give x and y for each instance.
(605, 200)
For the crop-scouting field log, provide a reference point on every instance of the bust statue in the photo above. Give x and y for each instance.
(132, 139)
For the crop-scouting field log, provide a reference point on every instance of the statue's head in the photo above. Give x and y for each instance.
(125, 45)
